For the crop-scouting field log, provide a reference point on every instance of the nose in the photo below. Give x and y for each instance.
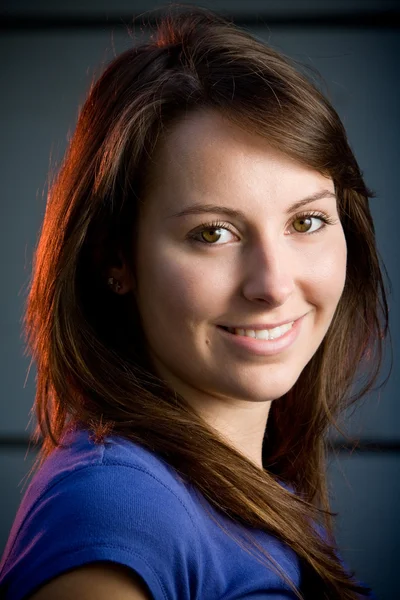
(269, 274)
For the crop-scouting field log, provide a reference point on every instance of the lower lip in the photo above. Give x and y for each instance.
(265, 347)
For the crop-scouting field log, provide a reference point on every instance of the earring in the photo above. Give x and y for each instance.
(114, 283)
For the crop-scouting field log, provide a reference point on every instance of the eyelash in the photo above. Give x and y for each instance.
(223, 225)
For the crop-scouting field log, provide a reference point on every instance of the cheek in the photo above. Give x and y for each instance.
(175, 287)
(326, 272)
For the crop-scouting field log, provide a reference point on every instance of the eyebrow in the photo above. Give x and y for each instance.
(231, 212)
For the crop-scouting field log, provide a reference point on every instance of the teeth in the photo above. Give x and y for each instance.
(263, 334)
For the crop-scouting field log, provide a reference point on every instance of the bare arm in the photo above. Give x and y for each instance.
(96, 581)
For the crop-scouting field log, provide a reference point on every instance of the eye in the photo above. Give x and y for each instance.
(210, 233)
(305, 222)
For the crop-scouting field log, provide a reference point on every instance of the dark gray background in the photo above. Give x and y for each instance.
(46, 70)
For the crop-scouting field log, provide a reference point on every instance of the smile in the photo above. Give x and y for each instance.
(262, 334)
(262, 342)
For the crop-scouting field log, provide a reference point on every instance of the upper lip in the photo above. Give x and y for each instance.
(256, 326)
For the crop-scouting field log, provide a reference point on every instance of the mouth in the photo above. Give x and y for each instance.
(260, 334)
(262, 342)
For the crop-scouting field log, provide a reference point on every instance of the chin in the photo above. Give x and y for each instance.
(267, 389)
(280, 384)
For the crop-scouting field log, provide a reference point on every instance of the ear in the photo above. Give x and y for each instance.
(119, 278)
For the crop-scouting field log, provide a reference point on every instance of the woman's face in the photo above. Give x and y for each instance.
(260, 264)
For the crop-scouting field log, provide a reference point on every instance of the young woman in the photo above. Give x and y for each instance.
(206, 287)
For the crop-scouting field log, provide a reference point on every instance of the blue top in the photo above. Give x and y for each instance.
(120, 502)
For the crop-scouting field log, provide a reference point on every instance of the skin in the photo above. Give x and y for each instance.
(95, 581)
(265, 270)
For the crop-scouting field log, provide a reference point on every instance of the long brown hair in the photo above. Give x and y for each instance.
(88, 344)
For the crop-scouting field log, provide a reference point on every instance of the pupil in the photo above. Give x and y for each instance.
(304, 222)
(211, 232)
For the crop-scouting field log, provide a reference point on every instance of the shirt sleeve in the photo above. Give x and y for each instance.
(108, 512)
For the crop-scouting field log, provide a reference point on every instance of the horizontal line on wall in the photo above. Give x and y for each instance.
(365, 446)
(387, 19)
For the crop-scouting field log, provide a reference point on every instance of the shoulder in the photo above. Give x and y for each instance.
(114, 501)
(90, 482)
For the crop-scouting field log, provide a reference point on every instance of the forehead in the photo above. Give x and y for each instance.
(205, 154)
(208, 139)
